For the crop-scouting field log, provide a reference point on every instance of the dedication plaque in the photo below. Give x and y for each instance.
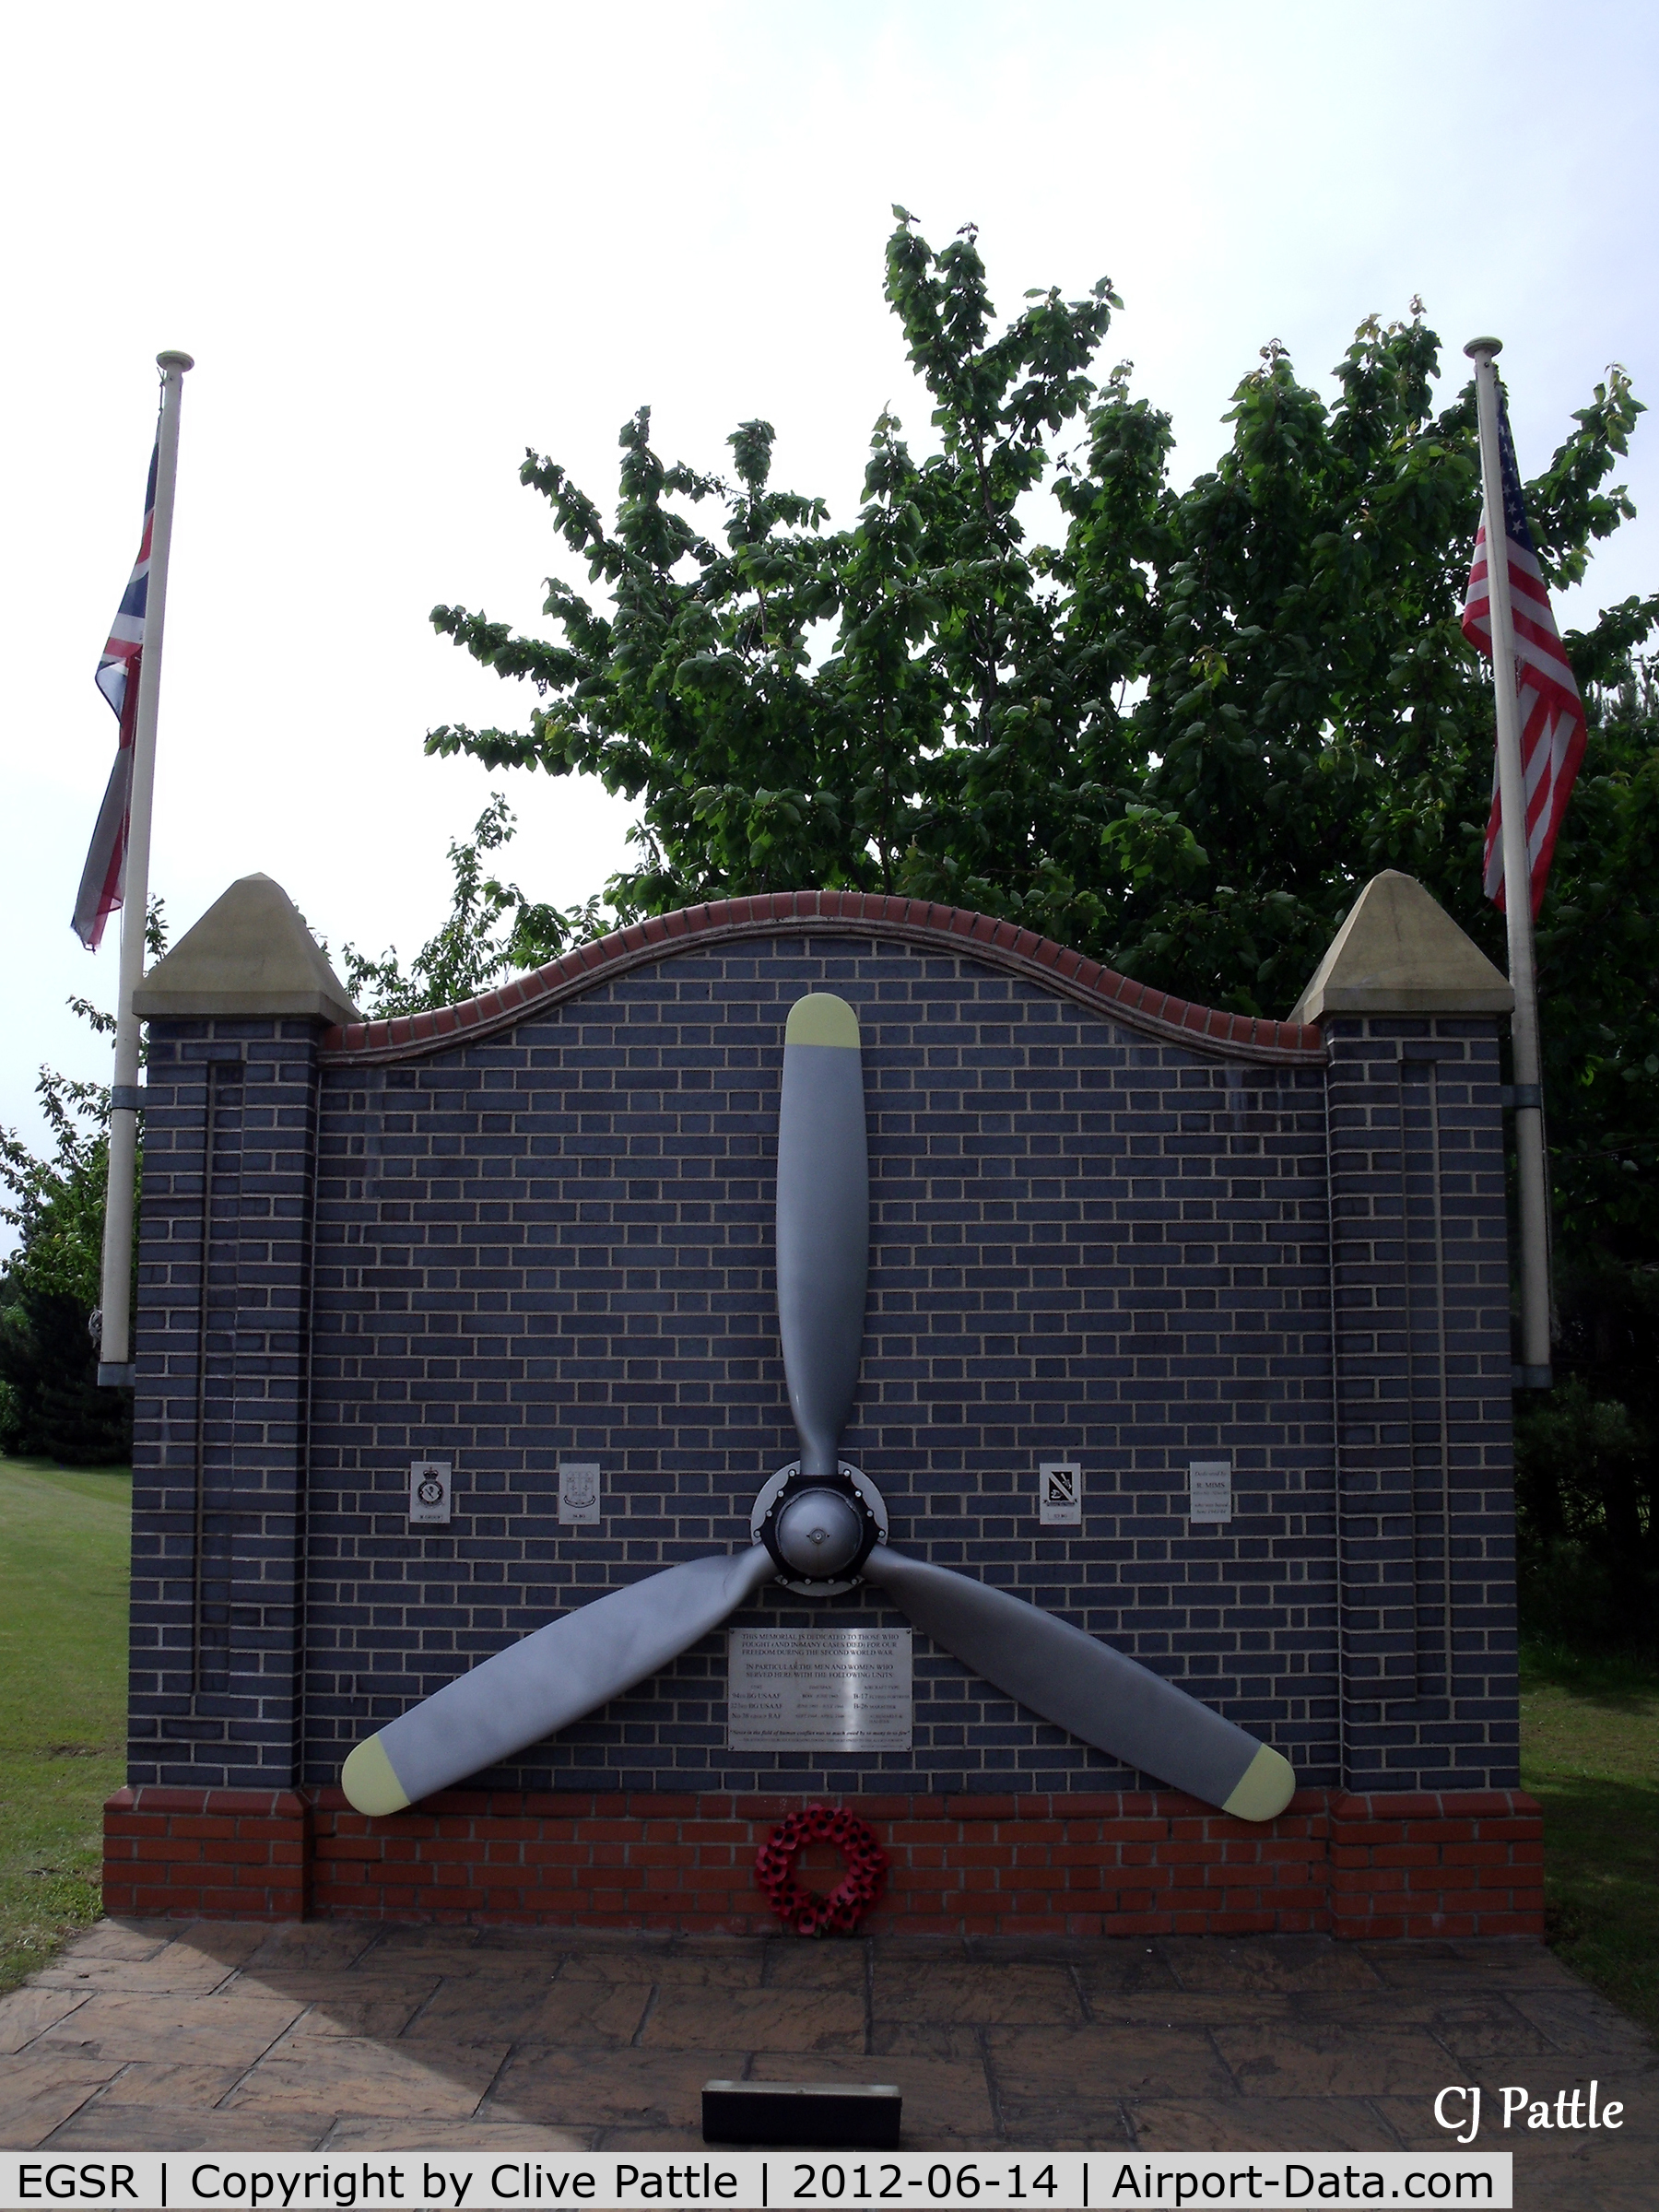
(1211, 1494)
(818, 1690)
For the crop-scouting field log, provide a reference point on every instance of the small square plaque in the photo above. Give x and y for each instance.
(431, 1487)
(579, 1491)
(1059, 1494)
(1211, 1494)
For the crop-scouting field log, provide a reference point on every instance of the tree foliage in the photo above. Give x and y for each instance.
(50, 1402)
(51, 1283)
(1176, 727)
(1587, 1470)
(1180, 736)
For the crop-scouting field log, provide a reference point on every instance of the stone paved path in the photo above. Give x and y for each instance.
(176, 2036)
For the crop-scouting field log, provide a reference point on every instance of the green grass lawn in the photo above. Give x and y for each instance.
(64, 1539)
(1590, 1755)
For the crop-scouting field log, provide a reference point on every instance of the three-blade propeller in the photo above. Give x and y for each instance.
(819, 1526)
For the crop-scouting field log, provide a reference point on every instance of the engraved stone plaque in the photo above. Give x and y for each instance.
(431, 1491)
(1059, 1494)
(1211, 1494)
(818, 1690)
(578, 1492)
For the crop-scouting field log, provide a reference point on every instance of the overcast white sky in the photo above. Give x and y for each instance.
(405, 243)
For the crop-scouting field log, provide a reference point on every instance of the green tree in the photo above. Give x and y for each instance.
(51, 1283)
(785, 702)
(1180, 738)
(50, 1402)
(1180, 732)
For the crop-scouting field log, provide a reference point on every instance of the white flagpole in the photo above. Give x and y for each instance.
(1517, 896)
(114, 1354)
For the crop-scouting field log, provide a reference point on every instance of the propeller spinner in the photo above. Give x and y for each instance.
(819, 1527)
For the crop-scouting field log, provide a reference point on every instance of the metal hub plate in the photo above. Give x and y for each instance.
(769, 1493)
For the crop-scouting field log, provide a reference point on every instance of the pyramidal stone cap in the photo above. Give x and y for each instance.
(250, 954)
(1400, 952)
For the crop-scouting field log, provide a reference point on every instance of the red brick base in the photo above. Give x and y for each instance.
(1115, 1864)
(219, 1854)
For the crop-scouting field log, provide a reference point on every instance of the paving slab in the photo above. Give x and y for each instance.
(41, 2089)
(222, 2027)
(1335, 2058)
(639, 2092)
(132, 1938)
(371, 2012)
(345, 2035)
(314, 1945)
(197, 1956)
(789, 1963)
(1187, 2007)
(1437, 1963)
(959, 2041)
(1481, 2031)
(30, 2011)
(793, 2020)
(1576, 2021)
(1043, 1990)
(341, 2074)
(1192, 2123)
(108, 2123)
(588, 2015)
(1078, 2068)
(504, 2136)
(157, 2084)
(1289, 1964)
(672, 1969)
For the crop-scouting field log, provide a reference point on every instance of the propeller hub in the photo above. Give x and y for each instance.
(819, 1528)
(820, 1533)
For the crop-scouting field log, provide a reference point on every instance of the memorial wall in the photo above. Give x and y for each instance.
(1187, 1331)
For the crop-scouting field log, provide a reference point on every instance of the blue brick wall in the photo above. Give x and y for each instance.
(558, 1240)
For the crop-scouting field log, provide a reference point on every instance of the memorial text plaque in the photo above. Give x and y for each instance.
(818, 1690)
(1211, 1493)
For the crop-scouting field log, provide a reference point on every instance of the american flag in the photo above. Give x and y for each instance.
(1551, 713)
(103, 877)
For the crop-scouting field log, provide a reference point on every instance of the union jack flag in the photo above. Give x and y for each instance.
(1551, 712)
(103, 878)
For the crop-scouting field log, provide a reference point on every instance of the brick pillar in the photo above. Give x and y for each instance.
(1425, 1471)
(1411, 1011)
(235, 1014)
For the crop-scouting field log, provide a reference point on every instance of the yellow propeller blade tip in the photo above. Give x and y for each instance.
(822, 1019)
(1265, 1789)
(369, 1783)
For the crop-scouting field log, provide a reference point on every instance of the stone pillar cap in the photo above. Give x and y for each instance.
(250, 954)
(1400, 952)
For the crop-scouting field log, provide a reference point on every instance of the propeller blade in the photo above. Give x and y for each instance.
(823, 1221)
(540, 1685)
(1086, 1687)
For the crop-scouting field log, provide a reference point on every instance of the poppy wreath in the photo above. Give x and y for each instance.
(803, 1910)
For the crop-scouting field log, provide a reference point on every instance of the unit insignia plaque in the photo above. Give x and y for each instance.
(818, 1690)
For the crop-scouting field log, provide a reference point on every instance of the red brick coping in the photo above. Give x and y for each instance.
(948, 929)
(1118, 1862)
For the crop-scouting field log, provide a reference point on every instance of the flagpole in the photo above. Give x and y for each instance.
(1517, 896)
(114, 1353)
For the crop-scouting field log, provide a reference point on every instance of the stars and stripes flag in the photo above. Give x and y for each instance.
(1551, 712)
(103, 878)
